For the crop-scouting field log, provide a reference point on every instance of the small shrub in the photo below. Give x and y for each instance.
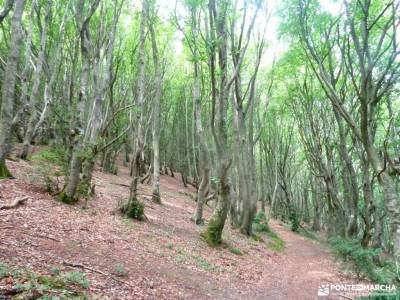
(133, 209)
(260, 223)
(294, 218)
(366, 262)
(30, 285)
(257, 238)
(78, 278)
(120, 270)
(55, 270)
(204, 264)
(213, 234)
(55, 156)
(276, 244)
(235, 251)
(4, 270)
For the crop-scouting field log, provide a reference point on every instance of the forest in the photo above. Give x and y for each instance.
(199, 149)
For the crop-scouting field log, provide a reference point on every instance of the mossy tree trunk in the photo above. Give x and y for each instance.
(8, 87)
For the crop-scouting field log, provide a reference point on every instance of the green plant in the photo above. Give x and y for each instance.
(56, 156)
(257, 238)
(235, 251)
(30, 285)
(204, 264)
(276, 243)
(120, 270)
(260, 223)
(366, 262)
(294, 218)
(133, 209)
(76, 278)
(4, 270)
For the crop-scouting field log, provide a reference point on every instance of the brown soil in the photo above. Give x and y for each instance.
(165, 258)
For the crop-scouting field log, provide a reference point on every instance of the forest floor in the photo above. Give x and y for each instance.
(162, 258)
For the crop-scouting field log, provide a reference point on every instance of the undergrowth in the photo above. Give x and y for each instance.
(133, 209)
(51, 166)
(260, 225)
(26, 284)
(366, 262)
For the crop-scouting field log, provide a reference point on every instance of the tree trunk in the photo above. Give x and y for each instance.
(34, 99)
(156, 118)
(8, 87)
(139, 139)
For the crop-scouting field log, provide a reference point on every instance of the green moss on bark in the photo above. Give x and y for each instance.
(133, 209)
(64, 198)
(213, 234)
(156, 198)
(4, 172)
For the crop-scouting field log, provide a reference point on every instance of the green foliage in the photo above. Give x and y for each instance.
(64, 198)
(133, 209)
(51, 164)
(4, 172)
(78, 278)
(276, 243)
(367, 262)
(235, 251)
(213, 234)
(204, 264)
(55, 156)
(294, 218)
(257, 238)
(260, 223)
(4, 270)
(120, 270)
(30, 285)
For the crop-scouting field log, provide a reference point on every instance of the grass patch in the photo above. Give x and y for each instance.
(133, 209)
(276, 243)
(204, 264)
(235, 251)
(27, 284)
(308, 234)
(55, 156)
(257, 238)
(120, 270)
(260, 225)
(184, 257)
(366, 262)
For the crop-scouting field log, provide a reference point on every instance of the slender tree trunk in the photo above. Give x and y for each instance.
(204, 160)
(139, 139)
(73, 177)
(213, 233)
(35, 97)
(8, 87)
(156, 118)
(7, 6)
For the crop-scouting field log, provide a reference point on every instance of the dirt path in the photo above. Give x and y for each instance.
(164, 257)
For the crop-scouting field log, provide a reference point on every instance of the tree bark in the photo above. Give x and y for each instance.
(8, 87)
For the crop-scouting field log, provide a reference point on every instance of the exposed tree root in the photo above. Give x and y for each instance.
(17, 202)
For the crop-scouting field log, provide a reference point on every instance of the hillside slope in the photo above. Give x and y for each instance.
(162, 258)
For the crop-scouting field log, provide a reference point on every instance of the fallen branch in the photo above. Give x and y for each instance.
(15, 203)
(81, 266)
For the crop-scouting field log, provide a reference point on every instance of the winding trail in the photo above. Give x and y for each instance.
(164, 257)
